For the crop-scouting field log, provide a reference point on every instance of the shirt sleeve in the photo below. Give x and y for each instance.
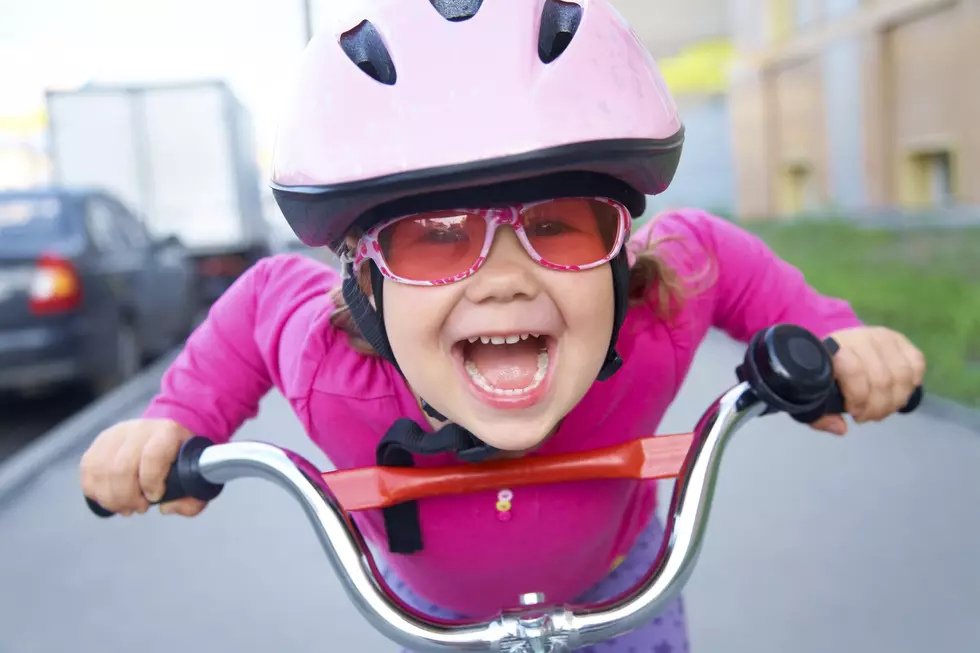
(751, 288)
(257, 336)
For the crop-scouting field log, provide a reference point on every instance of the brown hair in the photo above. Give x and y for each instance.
(652, 281)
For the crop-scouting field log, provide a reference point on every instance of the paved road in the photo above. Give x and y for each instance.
(22, 420)
(816, 544)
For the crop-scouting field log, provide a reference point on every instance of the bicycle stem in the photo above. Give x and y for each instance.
(529, 630)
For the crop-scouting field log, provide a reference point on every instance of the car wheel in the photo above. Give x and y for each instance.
(129, 360)
(196, 312)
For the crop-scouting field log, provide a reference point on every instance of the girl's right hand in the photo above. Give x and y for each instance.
(126, 467)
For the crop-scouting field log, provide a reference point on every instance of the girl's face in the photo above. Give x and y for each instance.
(510, 349)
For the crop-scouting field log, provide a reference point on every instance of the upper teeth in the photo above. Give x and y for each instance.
(503, 340)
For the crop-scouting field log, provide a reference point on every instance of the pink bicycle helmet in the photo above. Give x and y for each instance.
(400, 99)
(404, 106)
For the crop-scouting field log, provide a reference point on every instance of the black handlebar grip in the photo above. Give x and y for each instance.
(97, 508)
(183, 480)
(835, 402)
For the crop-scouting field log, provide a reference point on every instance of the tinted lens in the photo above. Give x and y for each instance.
(572, 232)
(433, 247)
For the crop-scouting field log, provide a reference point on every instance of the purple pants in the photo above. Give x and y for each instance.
(665, 634)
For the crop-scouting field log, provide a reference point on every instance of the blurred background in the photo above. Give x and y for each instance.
(135, 143)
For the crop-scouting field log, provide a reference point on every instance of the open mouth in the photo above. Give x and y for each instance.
(511, 370)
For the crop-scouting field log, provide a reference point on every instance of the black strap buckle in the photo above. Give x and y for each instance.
(403, 439)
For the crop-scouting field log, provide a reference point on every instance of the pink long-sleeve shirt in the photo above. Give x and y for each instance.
(271, 329)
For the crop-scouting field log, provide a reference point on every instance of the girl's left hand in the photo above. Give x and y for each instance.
(877, 370)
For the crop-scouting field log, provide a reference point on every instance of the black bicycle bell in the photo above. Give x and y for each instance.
(789, 368)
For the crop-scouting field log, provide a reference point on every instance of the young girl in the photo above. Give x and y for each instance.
(477, 166)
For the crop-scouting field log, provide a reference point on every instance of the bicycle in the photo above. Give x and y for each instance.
(785, 369)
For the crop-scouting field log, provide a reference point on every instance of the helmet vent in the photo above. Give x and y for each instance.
(457, 10)
(364, 46)
(559, 22)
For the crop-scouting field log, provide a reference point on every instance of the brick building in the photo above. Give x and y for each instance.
(855, 105)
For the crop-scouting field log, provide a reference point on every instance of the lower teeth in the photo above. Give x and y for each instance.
(483, 384)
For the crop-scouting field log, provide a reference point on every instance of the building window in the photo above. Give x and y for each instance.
(929, 179)
(799, 189)
(940, 178)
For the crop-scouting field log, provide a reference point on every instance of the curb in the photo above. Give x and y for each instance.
(77, 431)
(951, 411)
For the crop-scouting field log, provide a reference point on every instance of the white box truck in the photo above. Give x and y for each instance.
(181, 156)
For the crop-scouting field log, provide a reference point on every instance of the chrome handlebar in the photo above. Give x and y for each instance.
(549, 630)
(785, 369)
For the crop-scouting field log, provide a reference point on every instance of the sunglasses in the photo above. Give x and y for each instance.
(440, 247)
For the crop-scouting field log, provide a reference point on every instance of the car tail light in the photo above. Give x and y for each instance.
(55, 287)
(222, 266)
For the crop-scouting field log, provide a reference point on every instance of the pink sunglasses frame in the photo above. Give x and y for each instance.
(368, 247)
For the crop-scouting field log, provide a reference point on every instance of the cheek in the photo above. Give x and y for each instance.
(413, 319)
(586, 302)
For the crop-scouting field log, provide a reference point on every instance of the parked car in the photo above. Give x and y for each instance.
(86, 294)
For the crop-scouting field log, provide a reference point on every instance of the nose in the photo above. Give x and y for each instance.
(507, 274)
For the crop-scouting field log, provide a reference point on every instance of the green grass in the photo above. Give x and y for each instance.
(923, 283)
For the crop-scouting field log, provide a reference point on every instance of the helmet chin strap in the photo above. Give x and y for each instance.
(432, 412)
(370, 322)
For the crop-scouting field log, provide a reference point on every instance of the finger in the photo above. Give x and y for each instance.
(834, 424)
(158, 456)
(124, 480)
(852, 378)
(187, 507)
(892, 350)
(93, 466)
(96, 467)
(881, 379)
(915, 359)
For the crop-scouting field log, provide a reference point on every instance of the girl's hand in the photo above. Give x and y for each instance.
(878, 370)
(127, 465)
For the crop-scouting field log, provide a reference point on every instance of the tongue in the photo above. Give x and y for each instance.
(507, 367)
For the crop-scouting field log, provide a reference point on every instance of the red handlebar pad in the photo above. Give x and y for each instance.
(651, 458)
